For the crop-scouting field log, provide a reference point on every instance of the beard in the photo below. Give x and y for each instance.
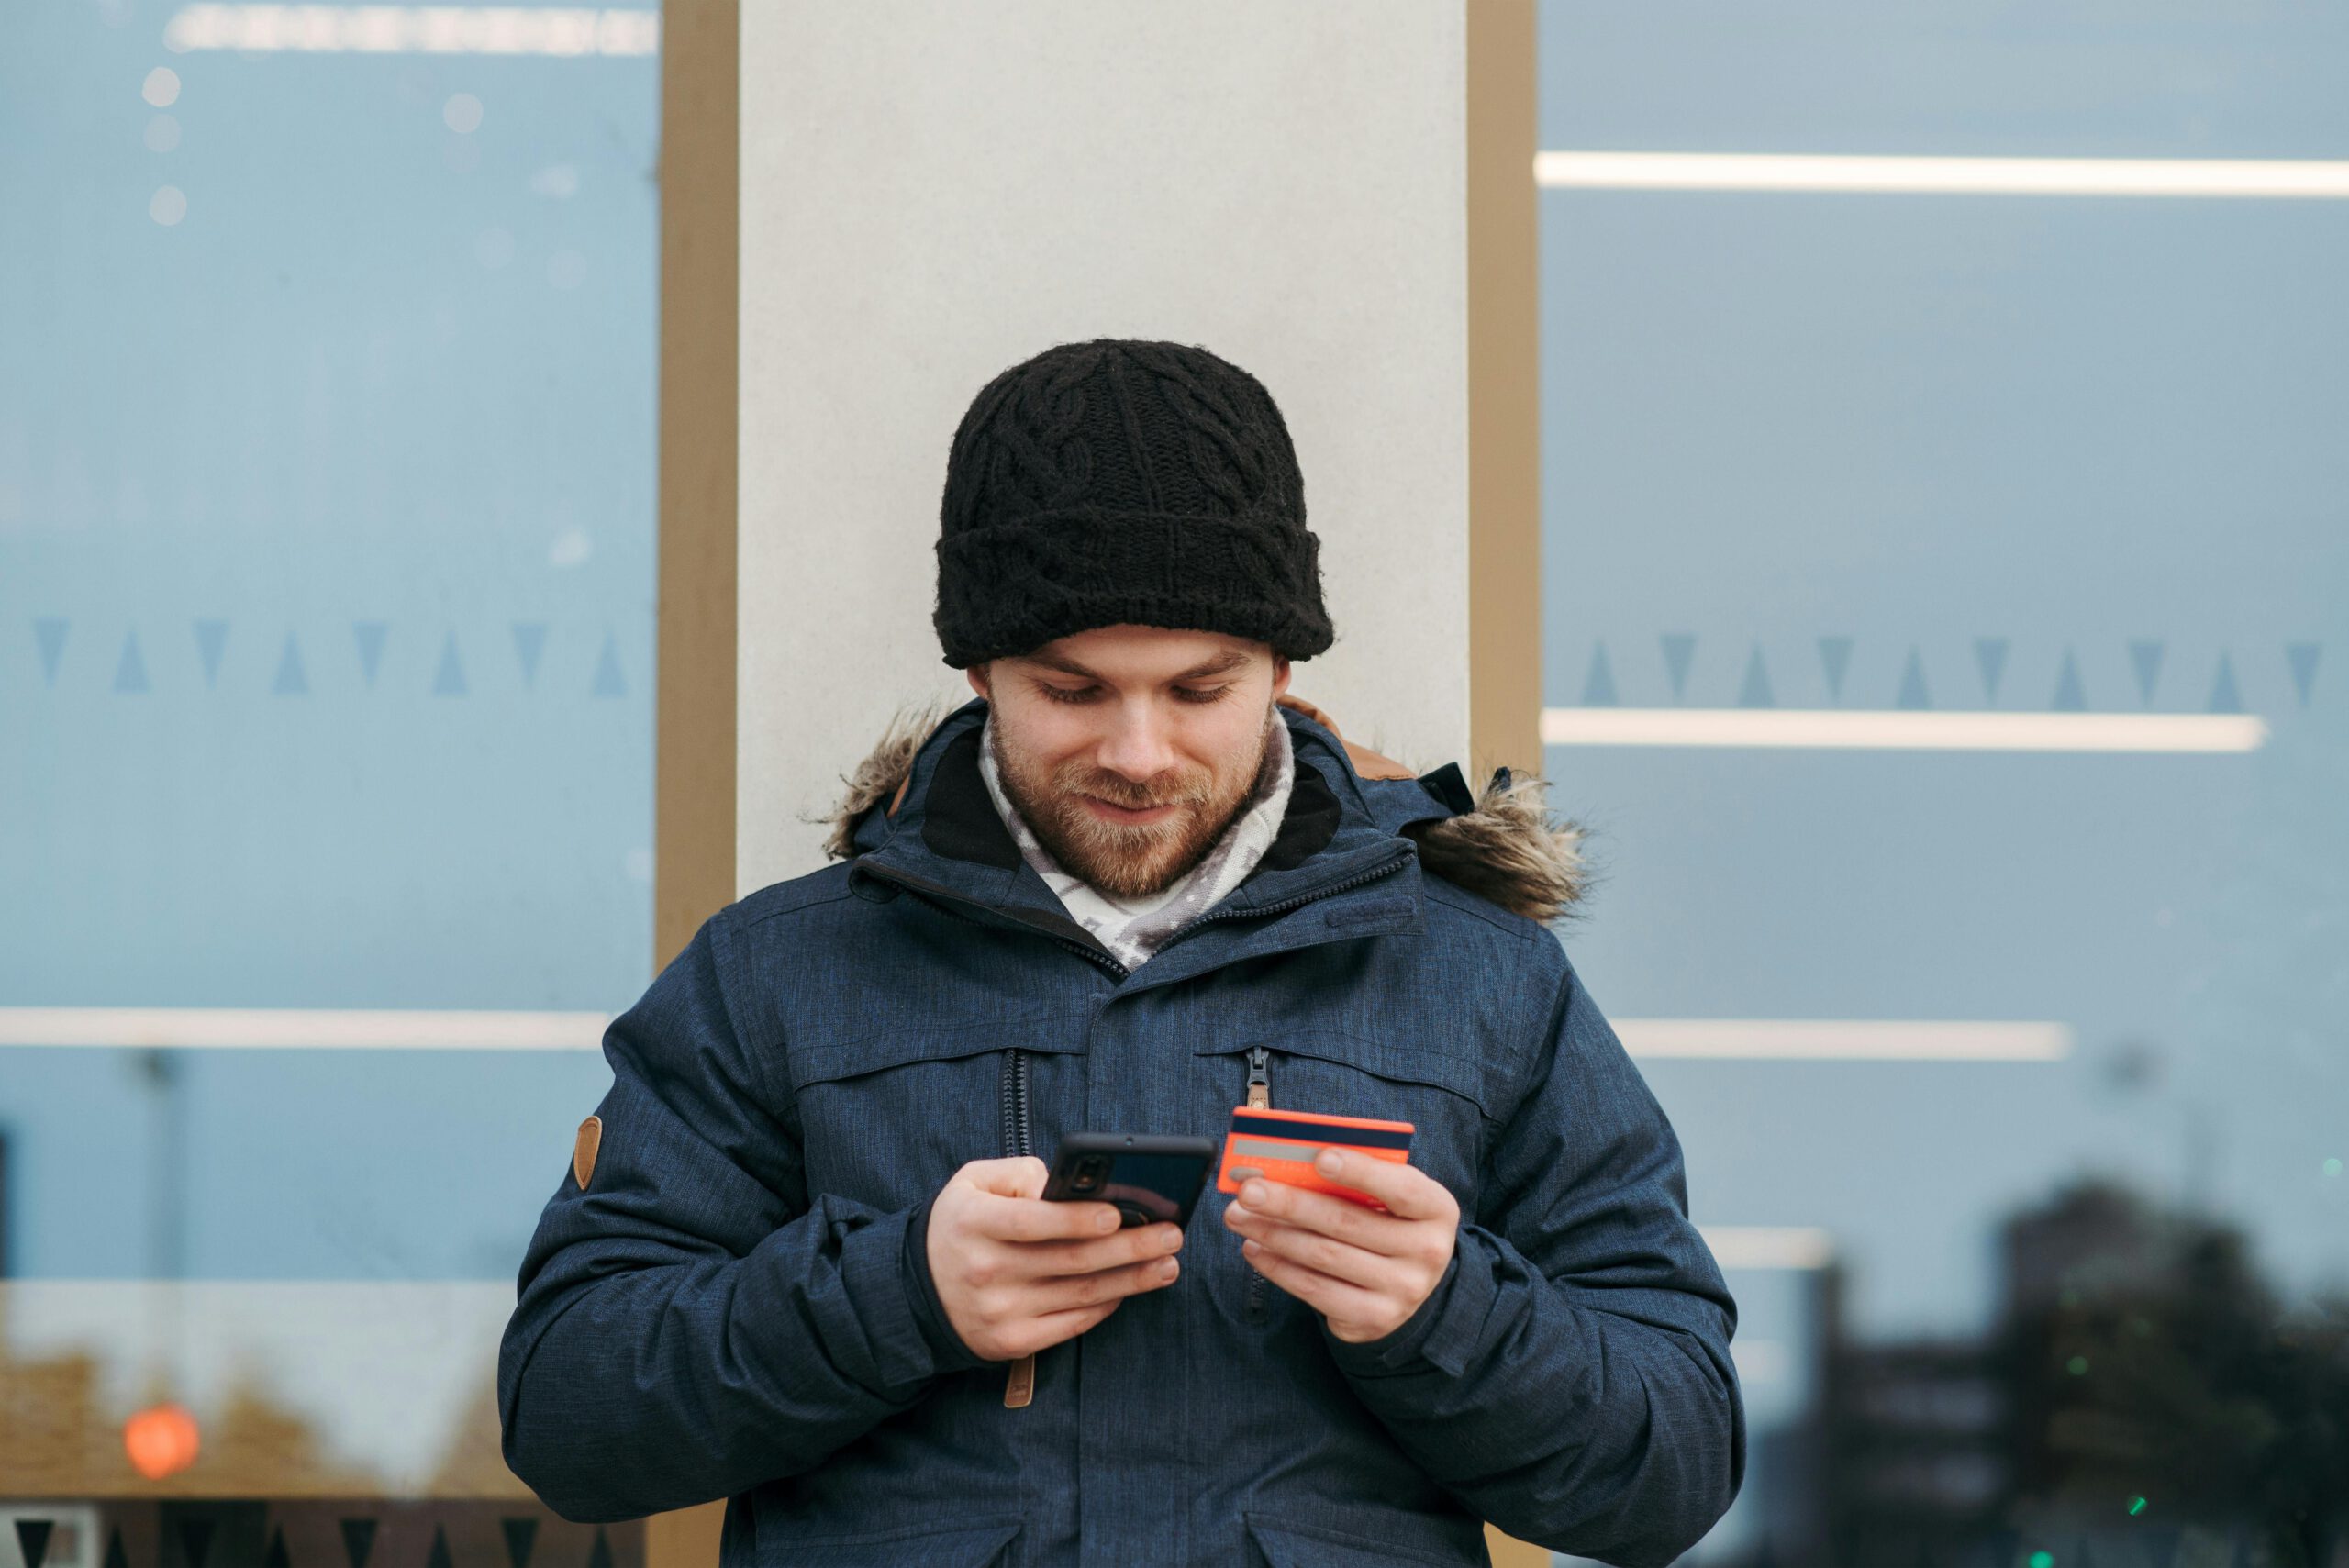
(1128, 859)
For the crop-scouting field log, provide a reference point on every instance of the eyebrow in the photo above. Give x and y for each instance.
(1232, 658)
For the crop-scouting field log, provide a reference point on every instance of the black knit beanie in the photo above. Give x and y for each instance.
(1124, 481)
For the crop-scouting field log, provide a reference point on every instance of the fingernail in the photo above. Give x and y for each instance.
(1253, 1193)
(1328, 1161)
(1168, 1269)
(1250, 1248)
(1109, 1220)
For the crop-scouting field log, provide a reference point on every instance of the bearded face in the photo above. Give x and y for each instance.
(1130, 750)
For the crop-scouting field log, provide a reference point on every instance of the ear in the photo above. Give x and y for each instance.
(1280, 677)
(979, 676)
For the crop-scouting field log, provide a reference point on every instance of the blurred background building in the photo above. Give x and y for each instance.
(1944, 571)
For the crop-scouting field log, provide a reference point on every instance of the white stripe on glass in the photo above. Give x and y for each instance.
(2300, 178)
(1903, 729)
(1768, 1246)
(301, 1028)
(563, 31)
(1846, 1040)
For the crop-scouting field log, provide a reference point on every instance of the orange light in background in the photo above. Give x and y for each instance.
(161, 1440)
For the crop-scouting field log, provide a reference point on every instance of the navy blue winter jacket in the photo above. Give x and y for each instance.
(739, 1305)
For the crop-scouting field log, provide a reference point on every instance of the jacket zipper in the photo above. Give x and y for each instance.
(1260, 1098)
(1017, 1138)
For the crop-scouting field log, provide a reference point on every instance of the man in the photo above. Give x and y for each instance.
(801, 1259)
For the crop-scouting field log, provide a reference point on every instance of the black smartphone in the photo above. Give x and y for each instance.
(1149, 1177)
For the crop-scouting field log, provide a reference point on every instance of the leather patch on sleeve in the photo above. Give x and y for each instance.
(583, 1151)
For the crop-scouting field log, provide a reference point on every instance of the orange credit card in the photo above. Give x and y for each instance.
(1280, 1146)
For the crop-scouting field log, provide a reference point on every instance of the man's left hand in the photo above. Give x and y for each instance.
(1364, 1272)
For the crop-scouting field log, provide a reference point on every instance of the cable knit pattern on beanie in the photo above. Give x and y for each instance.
(1124, 481)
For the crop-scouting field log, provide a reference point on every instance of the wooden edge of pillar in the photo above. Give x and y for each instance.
(1504, 391)
(694, 714)
(1503, 428)
(694, 711)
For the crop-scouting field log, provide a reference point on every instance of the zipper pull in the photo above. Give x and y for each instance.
(1260, 1098)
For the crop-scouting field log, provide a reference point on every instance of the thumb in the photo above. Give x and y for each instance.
(1020, 1176)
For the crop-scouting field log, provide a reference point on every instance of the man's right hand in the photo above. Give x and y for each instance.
(1016, 1273)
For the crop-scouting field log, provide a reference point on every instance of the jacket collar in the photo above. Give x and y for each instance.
(1337, 867)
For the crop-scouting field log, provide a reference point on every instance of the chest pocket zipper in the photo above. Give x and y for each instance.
(1019, 1385)
(1260, 1098)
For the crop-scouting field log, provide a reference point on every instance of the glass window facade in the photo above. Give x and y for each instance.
(327, 525)
(1942, 594)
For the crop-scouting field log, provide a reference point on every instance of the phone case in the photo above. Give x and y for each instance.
(1149, 1176)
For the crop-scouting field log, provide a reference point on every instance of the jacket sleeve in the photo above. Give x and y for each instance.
(690, 1324)
(1570, 1378)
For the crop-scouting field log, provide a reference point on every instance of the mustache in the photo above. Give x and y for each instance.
(1117, 791)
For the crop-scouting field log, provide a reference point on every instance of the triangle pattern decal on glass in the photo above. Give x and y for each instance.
(276, 1556)
(2146, 659)
(32, 1539)
(130, 669)
(211, 642)
(195, 1542)
(2070, 696)
(609, 683)
(1599, 686)
(116, 1556)
(1834, 661)
(600, 1554)
(1679, 649)
(291, 681)
(370, 635)
(50, 633)
(530, 641)
(522, 1534)
(439, 1556)
(1754, 690)
(2302, 658)
(449, 680)
(1912, 693)
(2224, 696)
(358, 1541)
(1991, 658)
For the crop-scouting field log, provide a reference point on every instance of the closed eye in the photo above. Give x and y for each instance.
(1088, 694)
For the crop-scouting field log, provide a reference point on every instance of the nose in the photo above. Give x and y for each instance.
(1137, 747)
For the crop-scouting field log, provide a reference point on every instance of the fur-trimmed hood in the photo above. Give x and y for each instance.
(1505, 846)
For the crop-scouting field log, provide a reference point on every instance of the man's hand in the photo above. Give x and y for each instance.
(1016, 1273)
(1364, 1272)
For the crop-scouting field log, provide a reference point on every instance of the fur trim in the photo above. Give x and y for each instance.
(877, 777)
(1509, 849)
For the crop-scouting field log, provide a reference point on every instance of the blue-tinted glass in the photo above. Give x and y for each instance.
(1998, 472)
(326, 530)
